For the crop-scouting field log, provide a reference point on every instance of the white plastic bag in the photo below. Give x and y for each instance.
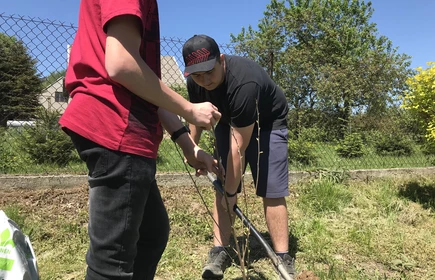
(17, 259)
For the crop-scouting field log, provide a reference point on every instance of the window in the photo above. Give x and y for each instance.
(60, 96)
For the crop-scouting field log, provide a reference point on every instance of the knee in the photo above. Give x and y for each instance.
(279, 201)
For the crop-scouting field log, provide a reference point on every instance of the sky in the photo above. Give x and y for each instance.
(410, 25)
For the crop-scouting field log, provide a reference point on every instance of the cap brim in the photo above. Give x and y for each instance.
(199, 67)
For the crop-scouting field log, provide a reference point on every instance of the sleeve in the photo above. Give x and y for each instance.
(243, 105)
(113, 8)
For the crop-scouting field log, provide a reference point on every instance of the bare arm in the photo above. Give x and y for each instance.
(172, 123)
(195, 132)
(200, 160)
(239, 141)
(125, 66)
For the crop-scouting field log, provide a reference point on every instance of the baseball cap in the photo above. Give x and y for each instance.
(199, 54)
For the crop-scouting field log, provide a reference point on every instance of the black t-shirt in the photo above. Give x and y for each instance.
(236, 98)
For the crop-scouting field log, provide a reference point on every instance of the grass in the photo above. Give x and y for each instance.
(13, 160)
(382, 229)
(328, 158)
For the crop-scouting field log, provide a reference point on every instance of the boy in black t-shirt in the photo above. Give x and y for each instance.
(243, 93)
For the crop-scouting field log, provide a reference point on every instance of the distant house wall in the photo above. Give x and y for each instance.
(54, 97)
(171, 72)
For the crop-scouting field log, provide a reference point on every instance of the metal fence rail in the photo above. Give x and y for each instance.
(29, 108)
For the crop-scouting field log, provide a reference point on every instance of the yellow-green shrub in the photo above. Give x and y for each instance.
(420, 99)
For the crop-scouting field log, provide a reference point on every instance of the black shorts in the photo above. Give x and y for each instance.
(272, 161)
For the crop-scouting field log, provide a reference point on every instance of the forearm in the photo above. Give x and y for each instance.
(240, 138)
(172, 123)
(138, 78)
(233, 172)
(195, 132)
(125, 66)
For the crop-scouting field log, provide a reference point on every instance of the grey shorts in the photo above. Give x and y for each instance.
(273, 160)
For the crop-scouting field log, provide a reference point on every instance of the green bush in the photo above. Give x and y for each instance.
(8, 160)
(394, 144)
(351, 146)
(371, 137)
(207, 142)
(312, 134)
(418, 99)
(46, 142)
(428, 148)
(181, 90)
(301, 152)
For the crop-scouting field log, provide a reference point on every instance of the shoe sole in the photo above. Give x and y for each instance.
(208, 275)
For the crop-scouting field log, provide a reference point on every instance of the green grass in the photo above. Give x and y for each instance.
(377, 233)
(324, 196)
(383, 229)
(329, 159)
(13, 159)
(170, 157)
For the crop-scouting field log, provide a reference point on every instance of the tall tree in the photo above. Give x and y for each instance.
(328, 57)
(20, 85)
(53, 77)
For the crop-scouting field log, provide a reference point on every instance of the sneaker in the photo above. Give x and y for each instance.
(218, 261)
(289, 264)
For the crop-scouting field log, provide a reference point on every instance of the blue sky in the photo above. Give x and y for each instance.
(408, 24)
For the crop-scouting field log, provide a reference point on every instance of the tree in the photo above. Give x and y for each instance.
(20, 85)
(420, 99)
(328, 57)
(46, 143)
(53, 77)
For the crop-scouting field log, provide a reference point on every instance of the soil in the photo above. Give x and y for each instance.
(69, 202)
(307, 275)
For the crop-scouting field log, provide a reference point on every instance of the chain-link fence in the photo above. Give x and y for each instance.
(33, 59)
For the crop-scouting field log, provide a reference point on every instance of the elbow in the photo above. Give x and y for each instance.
(120, 62)
(119, 68)
(116, 71)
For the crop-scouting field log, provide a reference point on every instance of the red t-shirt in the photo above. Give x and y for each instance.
(101, 110)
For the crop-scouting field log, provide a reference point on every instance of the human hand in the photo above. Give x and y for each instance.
(203, 163)
(204, 115)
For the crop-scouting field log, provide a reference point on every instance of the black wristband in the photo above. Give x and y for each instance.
(179, 132)
(231, 195)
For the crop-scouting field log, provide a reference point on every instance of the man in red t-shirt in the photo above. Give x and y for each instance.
(115, 120)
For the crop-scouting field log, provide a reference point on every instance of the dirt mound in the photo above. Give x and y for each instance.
(307, 275)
